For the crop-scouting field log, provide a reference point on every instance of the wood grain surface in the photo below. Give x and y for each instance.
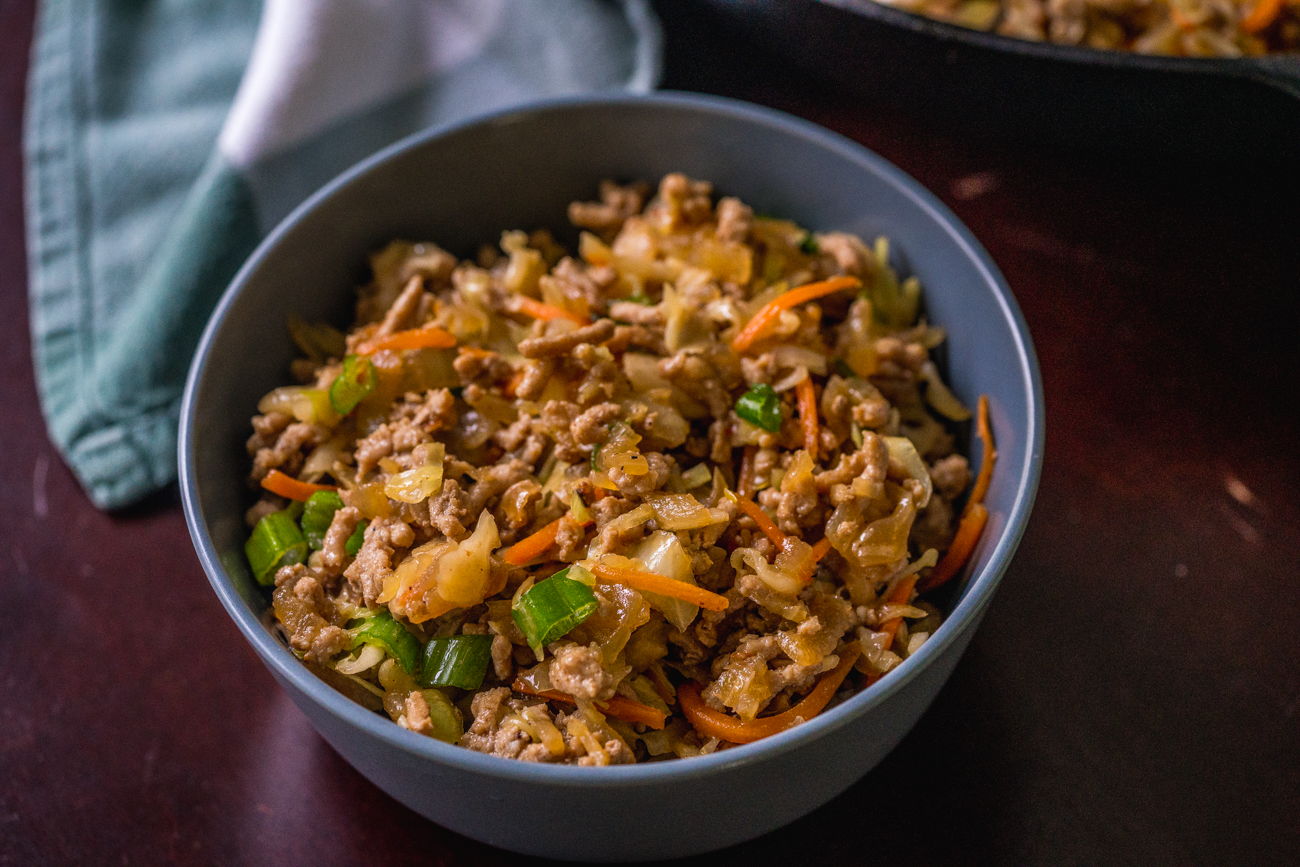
(1133, 696)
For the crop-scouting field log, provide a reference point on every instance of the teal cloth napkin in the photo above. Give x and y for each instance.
(165, 138)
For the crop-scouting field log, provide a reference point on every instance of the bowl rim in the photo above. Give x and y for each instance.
(285, 666)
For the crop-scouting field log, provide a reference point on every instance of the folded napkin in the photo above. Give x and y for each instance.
(164, 138)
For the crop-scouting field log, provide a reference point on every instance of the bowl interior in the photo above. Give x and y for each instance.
(464, 186)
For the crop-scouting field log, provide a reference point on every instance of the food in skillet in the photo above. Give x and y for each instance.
(676, 493)
(1191, 28)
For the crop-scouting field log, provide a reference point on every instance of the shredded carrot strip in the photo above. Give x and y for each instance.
(715, 724)
(990, 456)
(972, 524)
(771, 311)
(1264, 14)
(538, 310)
(901, 596)
(425, 337)
(807, 397)
(810, 566)
(766, 524)
(664, 586)
(287, 486)
(533, 546)
(820, 550)
(618, 707)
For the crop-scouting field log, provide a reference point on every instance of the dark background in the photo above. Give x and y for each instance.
(1133, 695)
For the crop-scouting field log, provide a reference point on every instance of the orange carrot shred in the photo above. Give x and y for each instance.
(766, 524)
(533, 546)
(820, 550)
(990, 454)
(973, 519)
(619, 707)
(1259, 19)
(716, 724)
(538, 310)
(425, 337)
(807, 398)
(901, 596)
(664, 586)
(771, 311)
(287, 486)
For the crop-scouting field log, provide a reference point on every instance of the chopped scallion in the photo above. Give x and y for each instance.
(459, 660)
(809, 246)
(444, 719)
(381, 630)
(552, 607)
(355, 541)
(761, 406)
(317, 515)
(276, 541)
(352, 385)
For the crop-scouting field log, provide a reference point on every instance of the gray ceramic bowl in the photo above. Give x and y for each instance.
(463, 185)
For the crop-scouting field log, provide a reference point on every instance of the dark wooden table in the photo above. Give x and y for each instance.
(1133, 696)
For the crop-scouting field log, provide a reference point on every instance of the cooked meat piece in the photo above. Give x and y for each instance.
(288, 452)
(735, 219)
(341, 529)
(402, 313)
(578, 671)
(636, 314)
(564, 343)
(309, 617)
(616, 204)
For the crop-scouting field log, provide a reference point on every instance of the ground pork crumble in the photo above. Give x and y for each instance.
(618, 505)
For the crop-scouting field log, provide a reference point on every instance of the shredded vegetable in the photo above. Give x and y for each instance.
(618, 706)
(353, 384)
(458, 660)
(276, 542)
(317, 513)
(290, 488)
(551, 608)
(380, 629)
(761, 406)
(649, 581)
(425, 337)
(715, 724)
(765, 318)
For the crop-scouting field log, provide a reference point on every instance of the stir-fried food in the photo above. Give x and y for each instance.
(678, 492)
(1190, 28)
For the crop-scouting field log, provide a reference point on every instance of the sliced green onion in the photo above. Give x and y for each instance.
(352, 385)
(641, 298)
(317, 515)
(460, 660)
(552, 607)
(381, 630)
(842, 368)
(761, 406)
(358, 537)
(443, 716)
(809, 245)
(276, 541)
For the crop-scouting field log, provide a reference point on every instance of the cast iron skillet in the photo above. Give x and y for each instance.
(1012, 88)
